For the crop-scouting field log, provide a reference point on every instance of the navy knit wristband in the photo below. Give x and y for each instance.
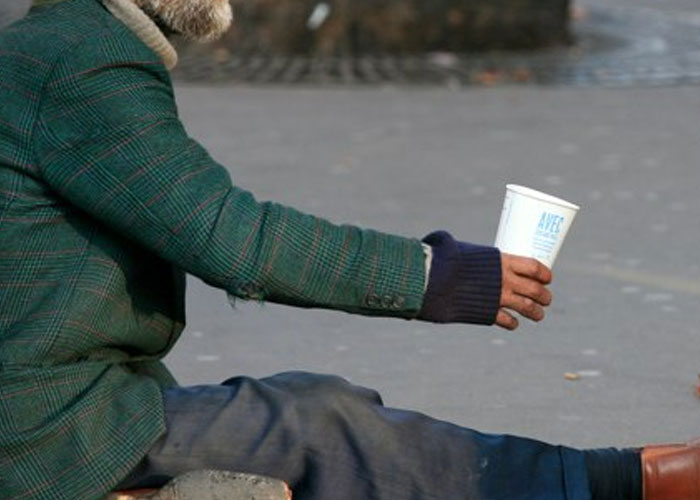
(464, 284)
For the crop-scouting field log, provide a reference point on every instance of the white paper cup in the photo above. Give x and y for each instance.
(534, 224)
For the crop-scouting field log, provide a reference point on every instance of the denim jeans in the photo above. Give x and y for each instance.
(331, 440)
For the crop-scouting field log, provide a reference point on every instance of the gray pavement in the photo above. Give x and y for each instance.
(410, 161)
(672, 6)
(627, 282)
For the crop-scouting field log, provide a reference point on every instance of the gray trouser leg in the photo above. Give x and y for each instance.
(330, 440)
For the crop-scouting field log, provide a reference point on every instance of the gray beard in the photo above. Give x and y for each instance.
(200, 20)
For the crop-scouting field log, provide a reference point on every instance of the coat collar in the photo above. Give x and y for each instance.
(139, 22)
(144, 27)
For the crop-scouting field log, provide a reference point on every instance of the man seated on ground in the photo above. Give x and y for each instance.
(106, 203)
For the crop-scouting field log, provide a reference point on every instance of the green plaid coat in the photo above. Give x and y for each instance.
(105, 204)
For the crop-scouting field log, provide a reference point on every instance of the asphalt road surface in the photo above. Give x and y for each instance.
(627, 285)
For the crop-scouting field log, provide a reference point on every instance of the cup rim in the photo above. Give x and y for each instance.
(539, 195)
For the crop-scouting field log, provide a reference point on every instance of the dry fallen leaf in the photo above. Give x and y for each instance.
(522, 75)
(489, 77)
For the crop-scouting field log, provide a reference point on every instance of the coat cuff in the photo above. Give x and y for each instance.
(464, 284)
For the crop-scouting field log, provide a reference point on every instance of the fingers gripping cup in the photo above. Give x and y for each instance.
(534, 224)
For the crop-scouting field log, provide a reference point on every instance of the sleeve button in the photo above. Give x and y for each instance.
(398, 302)
(388, 301)
(373, 300)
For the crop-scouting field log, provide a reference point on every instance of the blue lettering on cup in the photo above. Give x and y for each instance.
(549, 226)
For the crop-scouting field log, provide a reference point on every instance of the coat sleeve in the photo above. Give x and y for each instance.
(109, 141)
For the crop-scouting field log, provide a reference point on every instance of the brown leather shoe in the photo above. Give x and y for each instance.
(671, 472)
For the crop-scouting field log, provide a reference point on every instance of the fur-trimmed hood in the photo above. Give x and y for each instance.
(201, 20)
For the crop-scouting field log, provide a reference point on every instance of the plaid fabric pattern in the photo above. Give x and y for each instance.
(105, 204)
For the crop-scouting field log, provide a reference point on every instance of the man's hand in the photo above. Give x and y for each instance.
(523, 290)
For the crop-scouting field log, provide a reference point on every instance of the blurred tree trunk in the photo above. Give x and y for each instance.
(356, 27)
